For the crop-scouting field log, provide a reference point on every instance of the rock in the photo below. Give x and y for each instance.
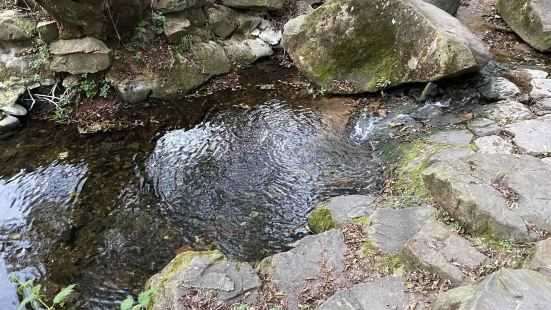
(366, 127)
(430, 91)
(493, 145)
(191, 70)
(222, 20)
(540, 259)
(270, 5)
(14, 110)
(166, 6)
(454, 137)
(390, 229)
(546, 160)
(442, 252)
(503, 196)
(176, 26)
(506, 289)
(133, 90)
(449, 6)
(14, 26)
(482, 127)
(270, 36)
(384, 293)
(531, 136)
(48, 31)
(372, 45)
(340, 210)
(8, 122)
(9, 94)
(210, 273)
(530, 19)
(544, 104)
(246, 52)
(506, 110)
(78, 56)
(301, 268)
(303, 7)
(499, 89)
(248, 23)
(535, 74)
(541, 88)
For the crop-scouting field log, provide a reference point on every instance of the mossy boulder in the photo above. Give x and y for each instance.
(340, 210)
(191, 69)
(355, 46)
(14, 26)
(530, 19)
(208, 273)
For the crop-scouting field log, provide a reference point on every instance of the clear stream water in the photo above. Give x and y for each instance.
(238, 171)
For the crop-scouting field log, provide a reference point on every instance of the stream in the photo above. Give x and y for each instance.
(236, 170)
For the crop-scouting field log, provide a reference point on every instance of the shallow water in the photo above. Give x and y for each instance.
(238, 171)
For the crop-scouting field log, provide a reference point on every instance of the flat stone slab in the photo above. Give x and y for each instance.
(504, 196)
(493, 145)
(391, 228)
(14, 109)
(384, 293)
(454, 137)
(505, 110)
(209, 273)
(532, 137)
(540, 259)
(482, 127)
(300, 268)
(506, 289)
(541, 88)
(444, 253)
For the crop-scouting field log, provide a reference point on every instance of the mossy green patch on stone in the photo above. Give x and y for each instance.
(320, 220)
(383, 263)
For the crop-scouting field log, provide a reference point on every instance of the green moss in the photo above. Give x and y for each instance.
(383, 263)
(364, 221)
(320, 220)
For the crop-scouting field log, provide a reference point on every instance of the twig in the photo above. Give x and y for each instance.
(32, 98)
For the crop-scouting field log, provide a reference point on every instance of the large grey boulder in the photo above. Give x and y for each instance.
(191, 70)
(270, 5)
(540, 259)
(530, 19)
(302, 268)
(247, 51)
(78, 56)
(531, 136)
(444, 253)
(499, 88)
(366, 45)
(390, 229)
(210, 273)
(506, 289)
(14, 26)
(449, 6)
(222, 20)
(166, 6)
(503, 196)
(384, 293)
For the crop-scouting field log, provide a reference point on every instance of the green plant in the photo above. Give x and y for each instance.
(144, 298)
(33, 296)
(62, 114)
(158, 21)
(43, 56)
(186, 43)
(93, 88)
(104, 89)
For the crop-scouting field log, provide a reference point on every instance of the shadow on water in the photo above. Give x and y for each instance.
(235, 170)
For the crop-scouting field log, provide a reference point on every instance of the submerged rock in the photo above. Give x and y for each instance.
(78, 56)
(530, 19)
(367, 45)
(506, 289)
(206, 274)
(503, 196)
(384, 293)
(304, 267)
(444, 253)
